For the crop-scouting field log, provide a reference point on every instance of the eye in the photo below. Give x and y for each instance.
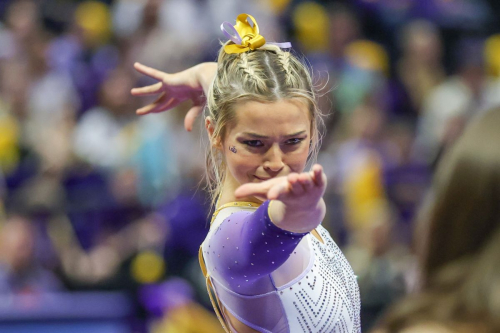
(253, 143)
(293, 141)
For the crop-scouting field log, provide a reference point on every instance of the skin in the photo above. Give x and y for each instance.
(271, 169)
(272, 143)
(298, 205)
(173, 89)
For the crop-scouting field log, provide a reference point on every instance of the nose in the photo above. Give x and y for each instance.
(274, 159)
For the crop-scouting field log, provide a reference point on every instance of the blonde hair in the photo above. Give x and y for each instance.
(460, 257)
(267, 74)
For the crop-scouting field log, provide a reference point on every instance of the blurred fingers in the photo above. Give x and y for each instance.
(278, 191)
(191, 116)
(250, 189)
(148, 90)
(151, 72)
(295, 185)
(306, 180)
(161, 104)
(318, 175)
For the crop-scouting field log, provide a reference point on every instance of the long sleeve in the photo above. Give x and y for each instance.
(247, 247)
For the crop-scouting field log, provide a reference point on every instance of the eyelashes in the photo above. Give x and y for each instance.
(259, 143)
(254, 143)
(294, 141)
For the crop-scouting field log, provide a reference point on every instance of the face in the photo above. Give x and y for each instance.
(266, 140)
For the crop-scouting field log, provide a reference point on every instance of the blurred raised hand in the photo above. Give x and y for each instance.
(172, 89)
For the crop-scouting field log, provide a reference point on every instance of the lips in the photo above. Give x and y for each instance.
(262, 178)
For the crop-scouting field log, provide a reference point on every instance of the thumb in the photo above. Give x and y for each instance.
(191, 115)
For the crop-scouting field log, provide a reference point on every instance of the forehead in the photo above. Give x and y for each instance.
(272, 119)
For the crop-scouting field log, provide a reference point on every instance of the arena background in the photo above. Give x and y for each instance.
(102, 211)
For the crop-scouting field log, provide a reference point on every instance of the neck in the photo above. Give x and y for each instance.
(227, 192)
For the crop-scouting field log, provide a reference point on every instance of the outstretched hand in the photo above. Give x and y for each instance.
(173, 89)
(298, 190)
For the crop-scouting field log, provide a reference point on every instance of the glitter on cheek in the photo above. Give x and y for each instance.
(233, 149)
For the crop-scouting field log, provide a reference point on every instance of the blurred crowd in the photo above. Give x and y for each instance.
(95, 198)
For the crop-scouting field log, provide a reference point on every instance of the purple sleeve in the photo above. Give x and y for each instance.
(248, 246)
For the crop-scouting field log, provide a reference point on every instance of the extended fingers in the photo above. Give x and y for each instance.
(190, 118)
(306, 181)
(151, 72)
(161, 104)
(282, 187)
(147, 90)
(318, 175)
(251, 189)
(279, 190)
(295, 185)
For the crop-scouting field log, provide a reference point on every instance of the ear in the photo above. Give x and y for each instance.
(209, 125)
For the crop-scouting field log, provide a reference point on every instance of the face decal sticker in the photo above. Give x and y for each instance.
(233, 149)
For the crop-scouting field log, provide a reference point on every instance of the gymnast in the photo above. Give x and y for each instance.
(268, 262)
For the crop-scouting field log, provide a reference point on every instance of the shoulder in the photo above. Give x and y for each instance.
(227, 221)
(225, 214)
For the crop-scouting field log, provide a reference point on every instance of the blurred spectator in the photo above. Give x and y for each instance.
(83, 51)
(135, 153)
(364, 137)
(420, 67)
(406, 181)
(109, 264)
(357, 169)
(2, 198)
(20, 272)
(100, 137)
(363, 78)
(311, 26)
(169, 36)
(10, 131)
(23, 22)
(458, 241)
(450, 105)
(172, 302)
(381, 264)
(344, 29)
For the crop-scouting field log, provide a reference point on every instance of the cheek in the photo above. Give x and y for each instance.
(297, 161)
(239, 161)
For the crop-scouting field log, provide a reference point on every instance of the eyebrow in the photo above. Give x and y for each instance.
(259, 136)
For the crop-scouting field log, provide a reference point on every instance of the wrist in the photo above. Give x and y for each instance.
(296, 220)
(205, 74)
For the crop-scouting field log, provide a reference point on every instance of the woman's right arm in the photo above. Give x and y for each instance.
(173, 89)
(248, 246)
(297, 199)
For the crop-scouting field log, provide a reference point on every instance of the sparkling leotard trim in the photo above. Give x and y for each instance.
(234, 204)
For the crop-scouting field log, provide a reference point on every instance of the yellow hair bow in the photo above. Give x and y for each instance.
(245, 36)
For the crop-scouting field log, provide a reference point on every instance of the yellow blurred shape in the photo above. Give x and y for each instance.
(368, 55)
(95, 19)
(364, 192)
(278, 6)
(492, 54)
(189, 318)
(9, 137)
(148, 267)
(311, 24)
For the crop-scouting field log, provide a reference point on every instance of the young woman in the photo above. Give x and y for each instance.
(272, 266)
